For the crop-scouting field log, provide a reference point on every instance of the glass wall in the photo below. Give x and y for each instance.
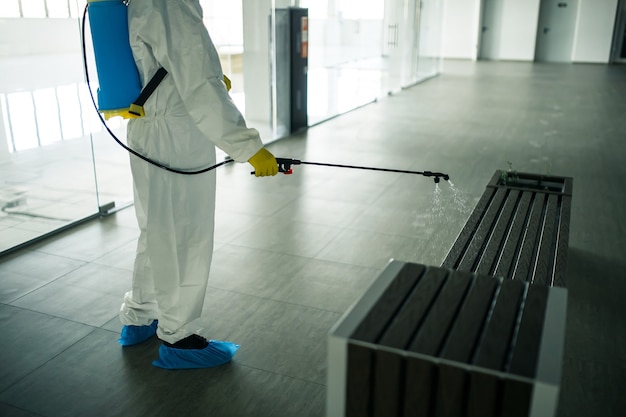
(47, 176)
(346, 62)
(361, 50)
(59, 166)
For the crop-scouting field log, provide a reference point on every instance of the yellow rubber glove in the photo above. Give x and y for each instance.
(228, 83)
(264, 163)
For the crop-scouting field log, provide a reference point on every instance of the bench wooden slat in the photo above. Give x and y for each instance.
(494, 347)
(435, 328)
(468, 230)
(471, 318)
(484, 396)
(560, 263)
(388, 385)
(542, 271)
(516, 398)
(528, 241)
(475, 247)
(451, 388)
(420, 380)
(503, 223)
(508, 254)
(359, 377)
(379, 317)
(526, 349)
(401, 331)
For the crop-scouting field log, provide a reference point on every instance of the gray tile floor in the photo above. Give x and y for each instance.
(294, 252)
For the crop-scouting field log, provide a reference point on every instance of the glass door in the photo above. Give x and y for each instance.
(430, 38)
(346, 63)
(402, 32)
(47, 177)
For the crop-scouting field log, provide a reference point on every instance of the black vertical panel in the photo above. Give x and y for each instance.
(484, 395)
(420, 384)
(545, 258)
(516, 398)
(471, 319)
(299, 65)
(412, 313)
(379, 317)
(509, 250)
(528, 248)
(467, 233)
(526, 349)
(451, 391)
(359, 381)
(435, 329)
(388, 384)
(560, 265)
(475, 248)
(494, 347)
(502, 224)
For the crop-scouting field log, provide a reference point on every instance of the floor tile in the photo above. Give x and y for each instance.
(8, 410)
(86, 299)
(88, 242)
(372, 250)
(321, 211)
(252, 271)
(32, 339)
(15, 285)
(326, 285)
(121, 258)
(38, 265)
(286, 339)
(100, 375)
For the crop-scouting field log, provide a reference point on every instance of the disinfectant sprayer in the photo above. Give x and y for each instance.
(120, 92)
(284, 166)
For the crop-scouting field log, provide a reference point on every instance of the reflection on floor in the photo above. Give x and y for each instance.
(293, 252)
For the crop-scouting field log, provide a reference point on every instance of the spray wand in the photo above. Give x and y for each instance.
(284, 166)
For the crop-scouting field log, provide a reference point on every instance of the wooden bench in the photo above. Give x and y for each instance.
(430, 341)
(519, 230)
(480, 336)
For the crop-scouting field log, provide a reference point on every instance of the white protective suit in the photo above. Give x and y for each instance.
(189, 114)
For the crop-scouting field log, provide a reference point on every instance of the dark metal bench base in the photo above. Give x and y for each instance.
(429, 341)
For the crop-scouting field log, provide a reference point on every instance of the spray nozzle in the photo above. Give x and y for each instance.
(284, 165)
(437, 176)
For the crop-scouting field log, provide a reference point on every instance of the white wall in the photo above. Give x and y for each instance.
(592, 41)
(519, 30)
(38, 36)
(460, 33)
(594, 31)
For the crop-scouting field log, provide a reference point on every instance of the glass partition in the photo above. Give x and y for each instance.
(430, 39)
(346, 63)
(58, 166)
(47, 177)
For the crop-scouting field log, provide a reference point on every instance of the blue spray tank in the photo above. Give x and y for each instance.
(118, 77)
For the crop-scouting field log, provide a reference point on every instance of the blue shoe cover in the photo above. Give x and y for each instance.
(215, 354)
(133, 335)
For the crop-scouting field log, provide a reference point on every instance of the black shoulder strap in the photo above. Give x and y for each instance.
(137, 107)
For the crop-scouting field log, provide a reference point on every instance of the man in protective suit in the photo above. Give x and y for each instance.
(185, 118)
